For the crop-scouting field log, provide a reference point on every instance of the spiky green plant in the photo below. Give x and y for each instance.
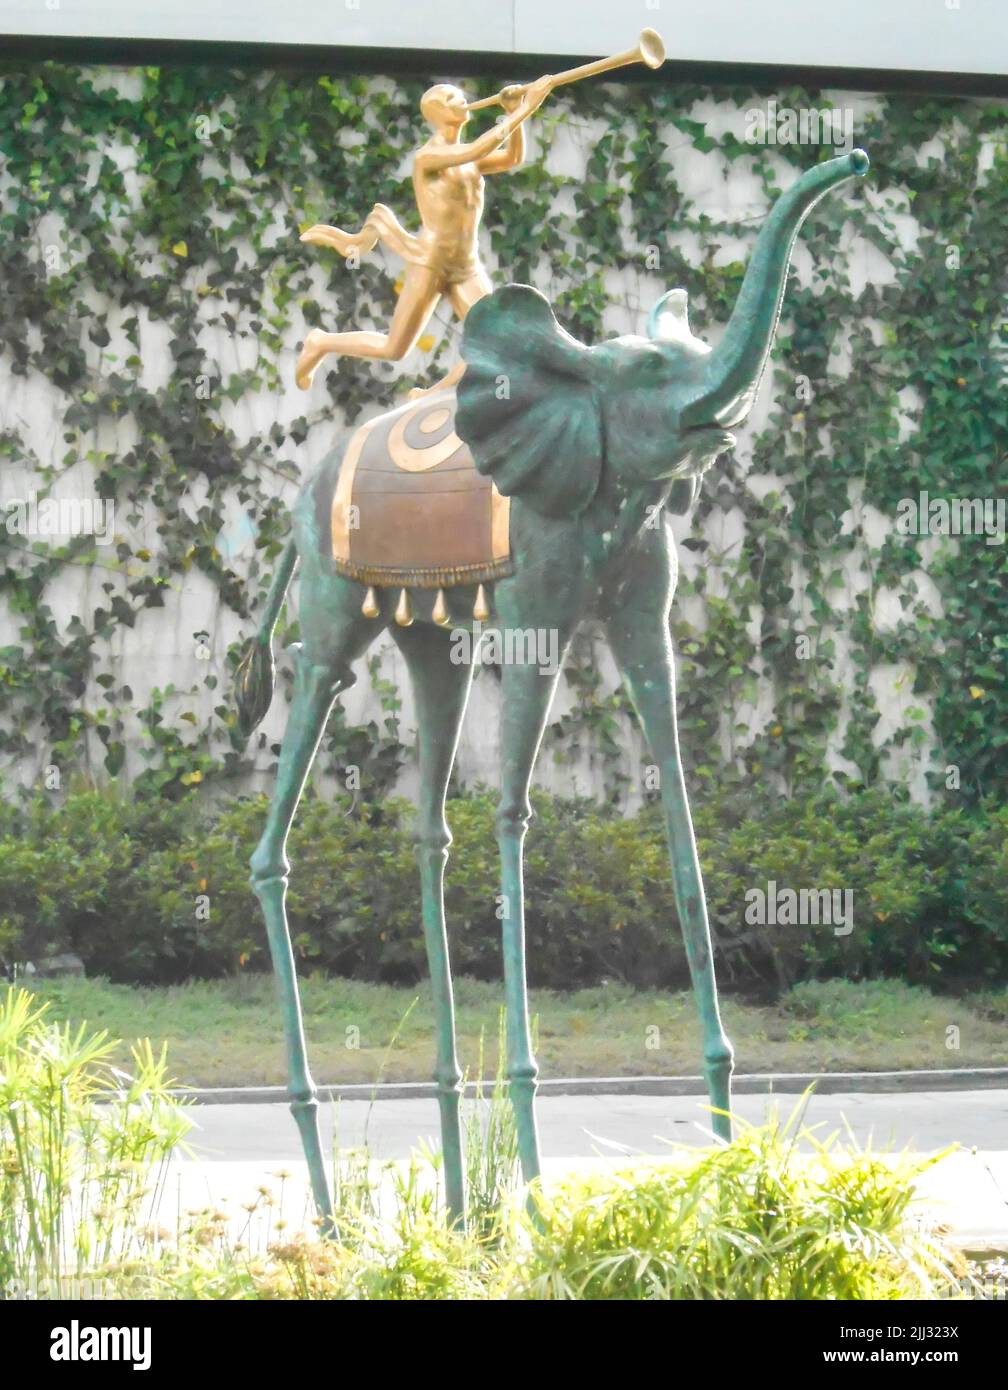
(491, 1145)
(83, 1146)
(756, 1219)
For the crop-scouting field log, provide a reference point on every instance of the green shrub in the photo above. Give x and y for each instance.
(753, 1220)
(69, 874)
(984, 876)
(905, 869)
(148, 891)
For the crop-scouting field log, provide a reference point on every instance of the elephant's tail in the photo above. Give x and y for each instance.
(254, 674)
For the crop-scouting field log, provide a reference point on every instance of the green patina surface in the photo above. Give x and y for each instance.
(588, 442)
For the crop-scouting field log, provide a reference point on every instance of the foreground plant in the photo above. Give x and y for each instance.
(755, 1219)
(491, 1145)
(83, 1146)
(392, 1243)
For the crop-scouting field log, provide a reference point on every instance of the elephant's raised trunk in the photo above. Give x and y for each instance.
(736, 365)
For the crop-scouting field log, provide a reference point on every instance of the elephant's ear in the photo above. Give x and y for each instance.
(527, 407)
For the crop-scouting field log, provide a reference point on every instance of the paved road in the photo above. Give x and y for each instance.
(583, 1126)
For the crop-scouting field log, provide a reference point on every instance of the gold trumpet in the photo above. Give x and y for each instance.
(649, 50)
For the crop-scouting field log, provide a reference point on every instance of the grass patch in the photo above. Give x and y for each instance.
(227, 1032)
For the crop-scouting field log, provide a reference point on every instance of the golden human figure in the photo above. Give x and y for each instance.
(443, 258)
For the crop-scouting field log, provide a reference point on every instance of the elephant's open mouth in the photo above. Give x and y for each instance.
(713, 437)
(704, 444)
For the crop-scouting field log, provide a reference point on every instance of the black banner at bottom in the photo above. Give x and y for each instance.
(179, 1338)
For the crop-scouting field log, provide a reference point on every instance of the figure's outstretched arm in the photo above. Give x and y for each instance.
(511, 154)
(428, 161)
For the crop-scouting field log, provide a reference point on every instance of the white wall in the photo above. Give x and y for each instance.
(161, 648)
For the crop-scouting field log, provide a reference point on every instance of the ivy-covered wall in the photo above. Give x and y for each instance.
(154, 293)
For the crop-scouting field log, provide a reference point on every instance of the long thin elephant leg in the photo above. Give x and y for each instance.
(644, 653)
(441, 690)
(314, 692)
(526, 694)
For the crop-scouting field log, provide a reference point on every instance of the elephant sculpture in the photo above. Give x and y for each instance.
(582, 447)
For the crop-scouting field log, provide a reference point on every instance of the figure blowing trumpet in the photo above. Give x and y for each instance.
(443, 258)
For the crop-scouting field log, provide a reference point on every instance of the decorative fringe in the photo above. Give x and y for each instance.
(481, 608)
(440, 612)
(419, 577)
(404, 610)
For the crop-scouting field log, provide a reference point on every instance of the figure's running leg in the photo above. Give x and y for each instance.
(381, 224)
(420, 294)
(462, 296)
(465, 293)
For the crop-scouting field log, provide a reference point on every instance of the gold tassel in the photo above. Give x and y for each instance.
(404, 610)
(440, 612)
(481, 608)
(370, 607)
